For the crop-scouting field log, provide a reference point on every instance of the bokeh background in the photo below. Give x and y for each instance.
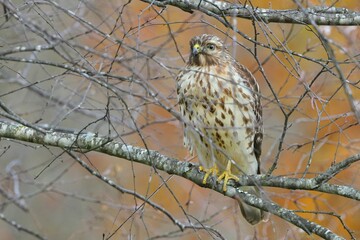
(109, 67)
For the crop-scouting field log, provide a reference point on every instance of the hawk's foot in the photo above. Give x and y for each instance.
(211, 171)
(227, 175)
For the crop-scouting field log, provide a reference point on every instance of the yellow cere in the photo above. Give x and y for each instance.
(197, 46)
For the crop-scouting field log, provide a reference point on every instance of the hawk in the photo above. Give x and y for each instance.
(219, 101)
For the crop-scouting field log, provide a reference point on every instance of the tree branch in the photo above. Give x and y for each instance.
(319, 15)
(20, 228)
(308, 226)
(90, 142)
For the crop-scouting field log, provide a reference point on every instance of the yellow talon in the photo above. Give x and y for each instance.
(227, 175)
(213, 170)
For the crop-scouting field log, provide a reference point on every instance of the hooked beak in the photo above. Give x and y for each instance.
(196, 49)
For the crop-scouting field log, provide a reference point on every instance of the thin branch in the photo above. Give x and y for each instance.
(182, 226)
(335, 169)
(331, 56)
(123, 190)
(21, 228)
(13, 200)
(13, 116)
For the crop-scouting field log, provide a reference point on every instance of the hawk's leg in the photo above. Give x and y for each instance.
(227, 175)
(211, 171)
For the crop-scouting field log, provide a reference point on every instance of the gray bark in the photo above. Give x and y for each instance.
(319, 15)
(84, 142)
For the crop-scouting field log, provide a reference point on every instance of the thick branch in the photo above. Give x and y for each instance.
(319, 15)
(90, 142)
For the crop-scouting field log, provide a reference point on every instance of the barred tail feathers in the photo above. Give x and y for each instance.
(252, 214)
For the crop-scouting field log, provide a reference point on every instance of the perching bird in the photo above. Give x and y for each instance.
(219, 101)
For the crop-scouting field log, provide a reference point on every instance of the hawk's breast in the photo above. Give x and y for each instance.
(217, 106)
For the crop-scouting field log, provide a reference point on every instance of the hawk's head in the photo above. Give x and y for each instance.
(206, 50)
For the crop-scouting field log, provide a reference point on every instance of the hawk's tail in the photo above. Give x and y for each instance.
(252, 214)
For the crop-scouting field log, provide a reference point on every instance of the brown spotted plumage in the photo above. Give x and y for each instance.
(220, 103)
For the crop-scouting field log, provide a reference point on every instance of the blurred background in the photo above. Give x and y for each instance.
(109, 67)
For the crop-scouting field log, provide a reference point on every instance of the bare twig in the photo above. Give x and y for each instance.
(21, 228)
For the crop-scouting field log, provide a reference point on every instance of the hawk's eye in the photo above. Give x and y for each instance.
(210, 47)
